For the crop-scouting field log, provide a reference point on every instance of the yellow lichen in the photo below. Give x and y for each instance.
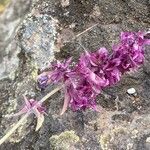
(34, 70)
(118, 130)
(34, 74)
(64, 141)
(3, 4)
(104, 140)
(109, 136)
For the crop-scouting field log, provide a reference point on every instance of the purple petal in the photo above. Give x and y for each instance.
(43, 80)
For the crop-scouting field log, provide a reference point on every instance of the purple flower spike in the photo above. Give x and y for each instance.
(33, 106)
(97, 70)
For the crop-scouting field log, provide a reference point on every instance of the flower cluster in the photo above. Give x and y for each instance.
(96, 70)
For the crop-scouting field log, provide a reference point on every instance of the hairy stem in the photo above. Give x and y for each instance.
(86, 30)
(12, 130)
(50, 94)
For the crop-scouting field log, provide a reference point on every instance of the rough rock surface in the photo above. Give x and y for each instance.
(54, 29)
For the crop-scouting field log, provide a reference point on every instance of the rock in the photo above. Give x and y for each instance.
(125, 135)
(65, 3)
(10, 63)
(9, 21)
(148, 140)
(56, 29)
(37, 37)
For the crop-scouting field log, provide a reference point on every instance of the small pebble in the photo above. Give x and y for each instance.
(65, 3)
(148, 140)
(131, 91)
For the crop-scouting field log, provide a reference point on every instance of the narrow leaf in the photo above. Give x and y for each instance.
(66, 103)
(40, 119)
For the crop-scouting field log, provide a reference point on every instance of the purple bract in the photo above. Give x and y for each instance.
(32, 106)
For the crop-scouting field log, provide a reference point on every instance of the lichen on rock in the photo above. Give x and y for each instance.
(64, 141)
(37, 36)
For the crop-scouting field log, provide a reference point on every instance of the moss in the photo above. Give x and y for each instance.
(64, 141)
